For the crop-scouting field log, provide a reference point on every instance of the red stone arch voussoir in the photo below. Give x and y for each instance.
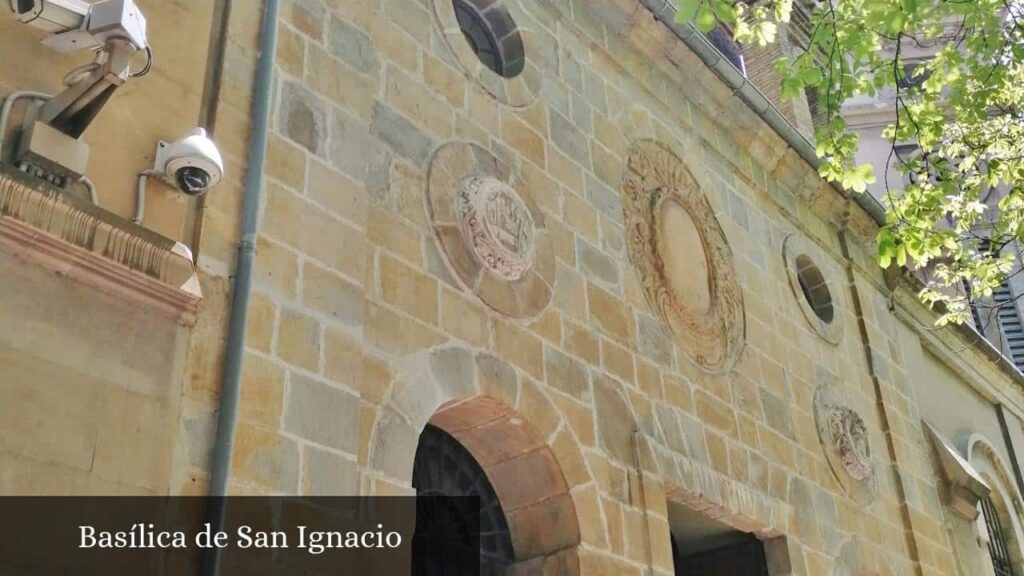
(526, 478)
(441, 387)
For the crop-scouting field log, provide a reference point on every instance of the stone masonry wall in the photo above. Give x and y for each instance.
(359, 331)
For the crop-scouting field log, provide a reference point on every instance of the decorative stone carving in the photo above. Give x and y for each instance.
(490, 232)
(850, 437)
(844, 438)
(83, 242)
(682, 257)
(498, 226)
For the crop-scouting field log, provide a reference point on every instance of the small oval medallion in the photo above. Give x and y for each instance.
(498, 226)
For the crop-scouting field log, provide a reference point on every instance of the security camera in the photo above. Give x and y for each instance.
(77, 25)
(54, 16)
(192, 163)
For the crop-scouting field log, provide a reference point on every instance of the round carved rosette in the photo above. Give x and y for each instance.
(489, 230)
(682, 257)
(844, 438)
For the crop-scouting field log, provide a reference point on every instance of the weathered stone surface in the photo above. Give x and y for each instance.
(259, 332)
(464, 319)
(303, 117)
(358, 153)
(497, 378)
(570, 459)
(408, 290)
(654, 342)
(597, 265)
(454, 371)
(337, 193)
(328, 474)
(298, 339)
(308, 16)
(306, 227)
(403, 136)
(332, 296)
(569, 139)
(286, 162)
(396, 334)
(611, 315)
(321, 413)
(265, 458)
(618, 361)
(614, 420)
(567, 375)
(343, 357)
(806, 522)
(405, 94)
(352, 46)
(605, 199)
(520, 348)
(777, 414)
(262, 398)
(340, 83)
(395, 445)
(533, 401)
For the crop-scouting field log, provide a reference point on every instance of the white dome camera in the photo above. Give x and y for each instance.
(192, 163)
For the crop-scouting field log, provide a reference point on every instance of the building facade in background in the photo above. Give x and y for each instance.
(544, 246)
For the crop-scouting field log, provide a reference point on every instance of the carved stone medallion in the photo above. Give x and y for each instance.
(489, 231)
(844, 438)
(498, 226)
(849, 435)
(681, 256)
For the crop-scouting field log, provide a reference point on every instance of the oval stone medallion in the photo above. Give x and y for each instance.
(845, 440)
(682, 258)
(489, 231)
(498, 226)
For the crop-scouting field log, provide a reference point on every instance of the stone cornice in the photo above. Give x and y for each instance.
(65, 235)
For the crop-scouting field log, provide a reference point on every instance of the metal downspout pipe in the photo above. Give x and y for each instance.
(239, 315)
(665, 12)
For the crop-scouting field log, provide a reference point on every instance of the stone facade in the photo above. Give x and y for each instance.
(551, 320)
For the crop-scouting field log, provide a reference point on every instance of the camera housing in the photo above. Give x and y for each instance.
(77, 25)
(192, 164)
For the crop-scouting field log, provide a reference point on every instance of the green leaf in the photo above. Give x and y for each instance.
(687, 10)
(706, 20)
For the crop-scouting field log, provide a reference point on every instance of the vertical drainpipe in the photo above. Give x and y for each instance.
(239, 315)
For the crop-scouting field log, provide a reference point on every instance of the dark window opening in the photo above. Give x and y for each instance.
(911, 77)
(493, 35)
(815, 288)
(997, 543)
(443, 467)
(705, 547)
(721, 38)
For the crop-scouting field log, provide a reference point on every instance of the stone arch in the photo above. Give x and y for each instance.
(981, 453)
(441, 387)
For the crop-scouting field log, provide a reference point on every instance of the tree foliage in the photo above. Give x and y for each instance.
(959, 211)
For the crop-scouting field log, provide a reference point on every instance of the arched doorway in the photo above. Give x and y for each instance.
(453, 535)
(525, 519)
(1001, 514)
